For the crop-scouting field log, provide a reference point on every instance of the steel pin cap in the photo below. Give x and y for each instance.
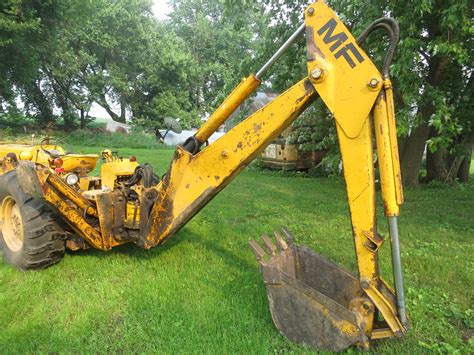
(373, 83)
(317, 73)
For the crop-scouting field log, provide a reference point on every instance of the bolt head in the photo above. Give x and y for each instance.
(311, 11)
(316, 73)
(373, 82)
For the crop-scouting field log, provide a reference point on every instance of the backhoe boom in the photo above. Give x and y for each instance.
(353, 89)
(312, 300)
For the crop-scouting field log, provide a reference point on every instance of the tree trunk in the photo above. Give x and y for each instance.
(123, 111)
(464, 169)
(68, 117)
(415, 144)
(83, 119)
(41, 103)
(412, 157)
(437, 162)
(436, 165)
(103, 102)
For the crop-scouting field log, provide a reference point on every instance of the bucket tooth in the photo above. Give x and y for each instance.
(281, 243)
(312, 300)
(289, 237)
(271, 248)
(257, 250)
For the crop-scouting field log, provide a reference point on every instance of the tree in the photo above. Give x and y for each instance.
(432, 73)
(167, 74)
(20, 64)
(223, 41)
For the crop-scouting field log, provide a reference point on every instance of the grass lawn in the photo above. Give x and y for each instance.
(202, 292)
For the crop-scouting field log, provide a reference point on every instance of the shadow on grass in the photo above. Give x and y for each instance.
(185, 235)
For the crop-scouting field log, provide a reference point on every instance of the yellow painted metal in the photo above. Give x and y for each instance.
(339, 69)
(74, 218)
(28, 152)
(357, 159)
(381, 333)
(193, 180)
(132, 216)
(107, 155)
(349, 84)
(80, 163)
(230, 104)
(114, 169)
(387, 152)
(386, 308)
(7, 163)
(105, 208)
(11, 224)
(84, 163)
(84, 183)
(26, 155)
(71, 194)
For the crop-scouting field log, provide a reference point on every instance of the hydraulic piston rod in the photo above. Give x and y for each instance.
(238, 96)
(281, 50)
(397, 268)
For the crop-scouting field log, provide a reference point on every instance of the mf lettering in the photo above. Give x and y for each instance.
(348, 51)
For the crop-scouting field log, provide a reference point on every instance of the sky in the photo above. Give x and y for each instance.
(161, 9)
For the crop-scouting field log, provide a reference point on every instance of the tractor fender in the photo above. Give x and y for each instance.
(26, 173)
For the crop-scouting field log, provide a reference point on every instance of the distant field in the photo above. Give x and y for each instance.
(202, 292)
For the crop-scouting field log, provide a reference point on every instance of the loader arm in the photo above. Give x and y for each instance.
(344, 77)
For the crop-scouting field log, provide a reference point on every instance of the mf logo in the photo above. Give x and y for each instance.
(338, 43)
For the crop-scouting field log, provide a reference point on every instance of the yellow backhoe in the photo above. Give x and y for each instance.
(46, 207)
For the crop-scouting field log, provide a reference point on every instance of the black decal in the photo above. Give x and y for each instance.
(353, 49)
(344, 52)
(338, 38)
(347, 57)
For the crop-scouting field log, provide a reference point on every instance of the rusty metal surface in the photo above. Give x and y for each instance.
(27, 176)
(75, 243)
(193, 180)
(105, 209)
(69, 193)
(312, 300)
(73, 217)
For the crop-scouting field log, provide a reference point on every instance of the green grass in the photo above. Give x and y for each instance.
(132, 140)
(90, 138)
(201, 292)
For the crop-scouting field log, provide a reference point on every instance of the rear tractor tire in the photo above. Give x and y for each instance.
(29, 236)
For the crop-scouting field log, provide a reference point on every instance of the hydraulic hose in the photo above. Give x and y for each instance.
(390, 25)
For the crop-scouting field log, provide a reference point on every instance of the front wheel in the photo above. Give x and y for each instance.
(29, 236)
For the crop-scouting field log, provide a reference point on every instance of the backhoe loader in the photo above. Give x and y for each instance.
(312, 300)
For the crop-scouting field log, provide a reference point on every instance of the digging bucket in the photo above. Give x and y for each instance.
(312, 300)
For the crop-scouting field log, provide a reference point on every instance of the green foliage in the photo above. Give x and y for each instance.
(133, 140)
(15, 120)
(221, 40)
(314, 130)
(55, 57)
(432, 69)
(119, 57)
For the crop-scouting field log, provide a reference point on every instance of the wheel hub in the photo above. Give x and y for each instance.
(11, 224)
